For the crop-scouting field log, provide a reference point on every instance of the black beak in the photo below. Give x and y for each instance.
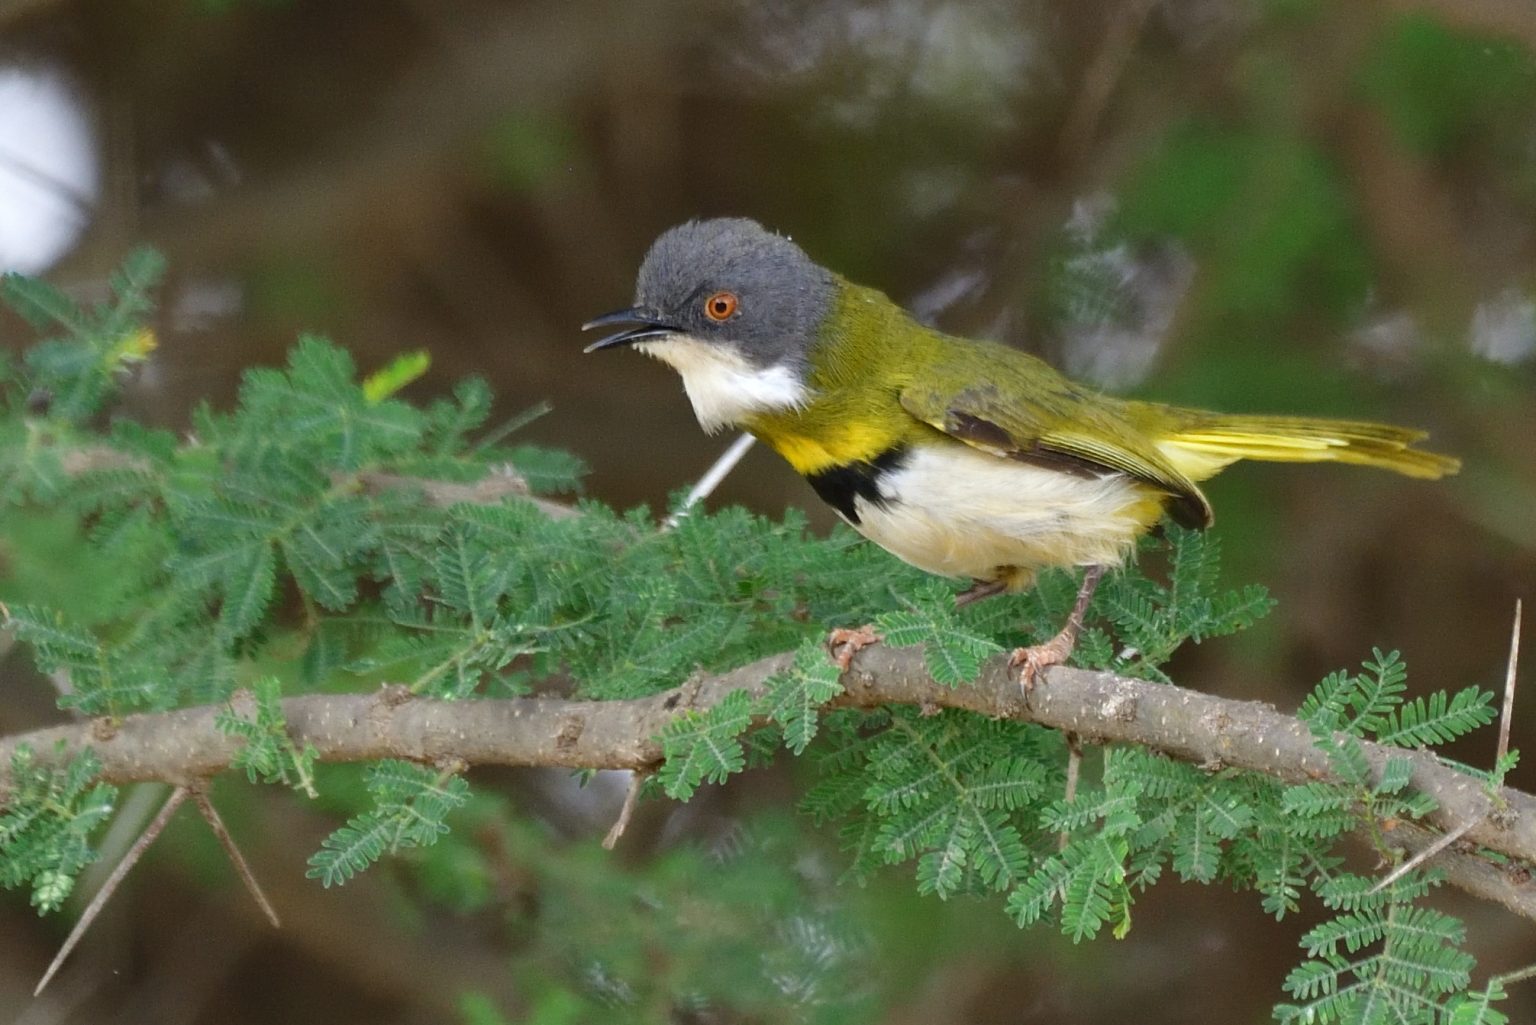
(647, 323)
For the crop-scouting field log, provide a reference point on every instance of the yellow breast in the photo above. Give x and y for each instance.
(846, 443)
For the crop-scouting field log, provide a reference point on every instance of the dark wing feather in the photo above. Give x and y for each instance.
(1038, 416)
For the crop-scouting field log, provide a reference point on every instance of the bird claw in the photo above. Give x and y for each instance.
(1037, 658)
(844, 642)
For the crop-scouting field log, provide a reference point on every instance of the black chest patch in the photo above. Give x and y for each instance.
(838, 486)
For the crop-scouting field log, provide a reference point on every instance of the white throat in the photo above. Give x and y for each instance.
(724, 386)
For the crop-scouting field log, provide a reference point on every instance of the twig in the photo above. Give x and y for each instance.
(112, 881)
(211, 816)
(711, 479)
(1518, 975)
(512, 425)
(1074, 770)
(631, 798)
(1508, 715)
(1444, 841)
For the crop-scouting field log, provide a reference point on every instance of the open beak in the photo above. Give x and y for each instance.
(645, 323)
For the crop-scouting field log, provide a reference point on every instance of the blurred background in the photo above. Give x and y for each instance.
(1254, 205)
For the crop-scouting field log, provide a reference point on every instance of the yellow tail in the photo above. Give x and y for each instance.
(1202, 444)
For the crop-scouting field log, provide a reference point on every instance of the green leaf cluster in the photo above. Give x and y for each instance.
(1148, 619)
(1386, 958)
(46, 820)
(269, 754)
(723, 930)
(410, 804)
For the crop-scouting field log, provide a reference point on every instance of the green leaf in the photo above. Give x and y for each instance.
(794, 697)
(952, 652)
(1395, 775)
(247, 585)
(269, 754)
(411, 803)
(102, 678)
(46, 822)
(1476, 1008)
(703, 747)
(1437, 718)
(42, 305)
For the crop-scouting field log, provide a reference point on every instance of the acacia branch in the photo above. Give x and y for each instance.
(183, 747)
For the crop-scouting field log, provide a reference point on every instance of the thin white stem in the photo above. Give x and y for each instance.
(1429, 852)
(711, 480)
(631, 798)
(1510, 675)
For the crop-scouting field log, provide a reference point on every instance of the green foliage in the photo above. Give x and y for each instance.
(66, 379)
(1344, 709)
(410, 804)
(1384, 958)
(1441, 88)
(269, 754)
(703, 747)
(313, 538)
(727, 932)
(1148, 620)
(46, 820)
(949, 791)
(795, 696)
(952, 653)
(1268, 217)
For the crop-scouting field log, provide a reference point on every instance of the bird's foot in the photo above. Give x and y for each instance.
(844, 642)
(978, 590)
(1038, 657)
(1058, 649)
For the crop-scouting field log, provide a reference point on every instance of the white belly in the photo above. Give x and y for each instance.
(959, 512)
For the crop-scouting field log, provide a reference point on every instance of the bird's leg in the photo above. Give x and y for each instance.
(978, 590)
(844, 642)
(1056, 650)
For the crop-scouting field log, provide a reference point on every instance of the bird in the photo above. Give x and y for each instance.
(966, 458)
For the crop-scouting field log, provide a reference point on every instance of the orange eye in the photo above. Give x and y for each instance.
(720, 306)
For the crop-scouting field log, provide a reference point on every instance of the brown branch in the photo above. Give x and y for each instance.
(182, 747)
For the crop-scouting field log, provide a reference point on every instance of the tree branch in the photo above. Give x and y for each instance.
(182, 747)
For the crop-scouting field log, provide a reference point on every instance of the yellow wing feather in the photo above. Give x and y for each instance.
(1206, 443)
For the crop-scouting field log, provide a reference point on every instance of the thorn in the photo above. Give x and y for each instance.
(637, 780)
(1507, 716)
(211, 816)
(1074, 770)
(711, 480)
(110, 885)
(1429, 852)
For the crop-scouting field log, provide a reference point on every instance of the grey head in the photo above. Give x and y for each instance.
(727, 283)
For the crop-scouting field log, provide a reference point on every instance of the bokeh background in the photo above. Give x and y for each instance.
(1256, 205)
